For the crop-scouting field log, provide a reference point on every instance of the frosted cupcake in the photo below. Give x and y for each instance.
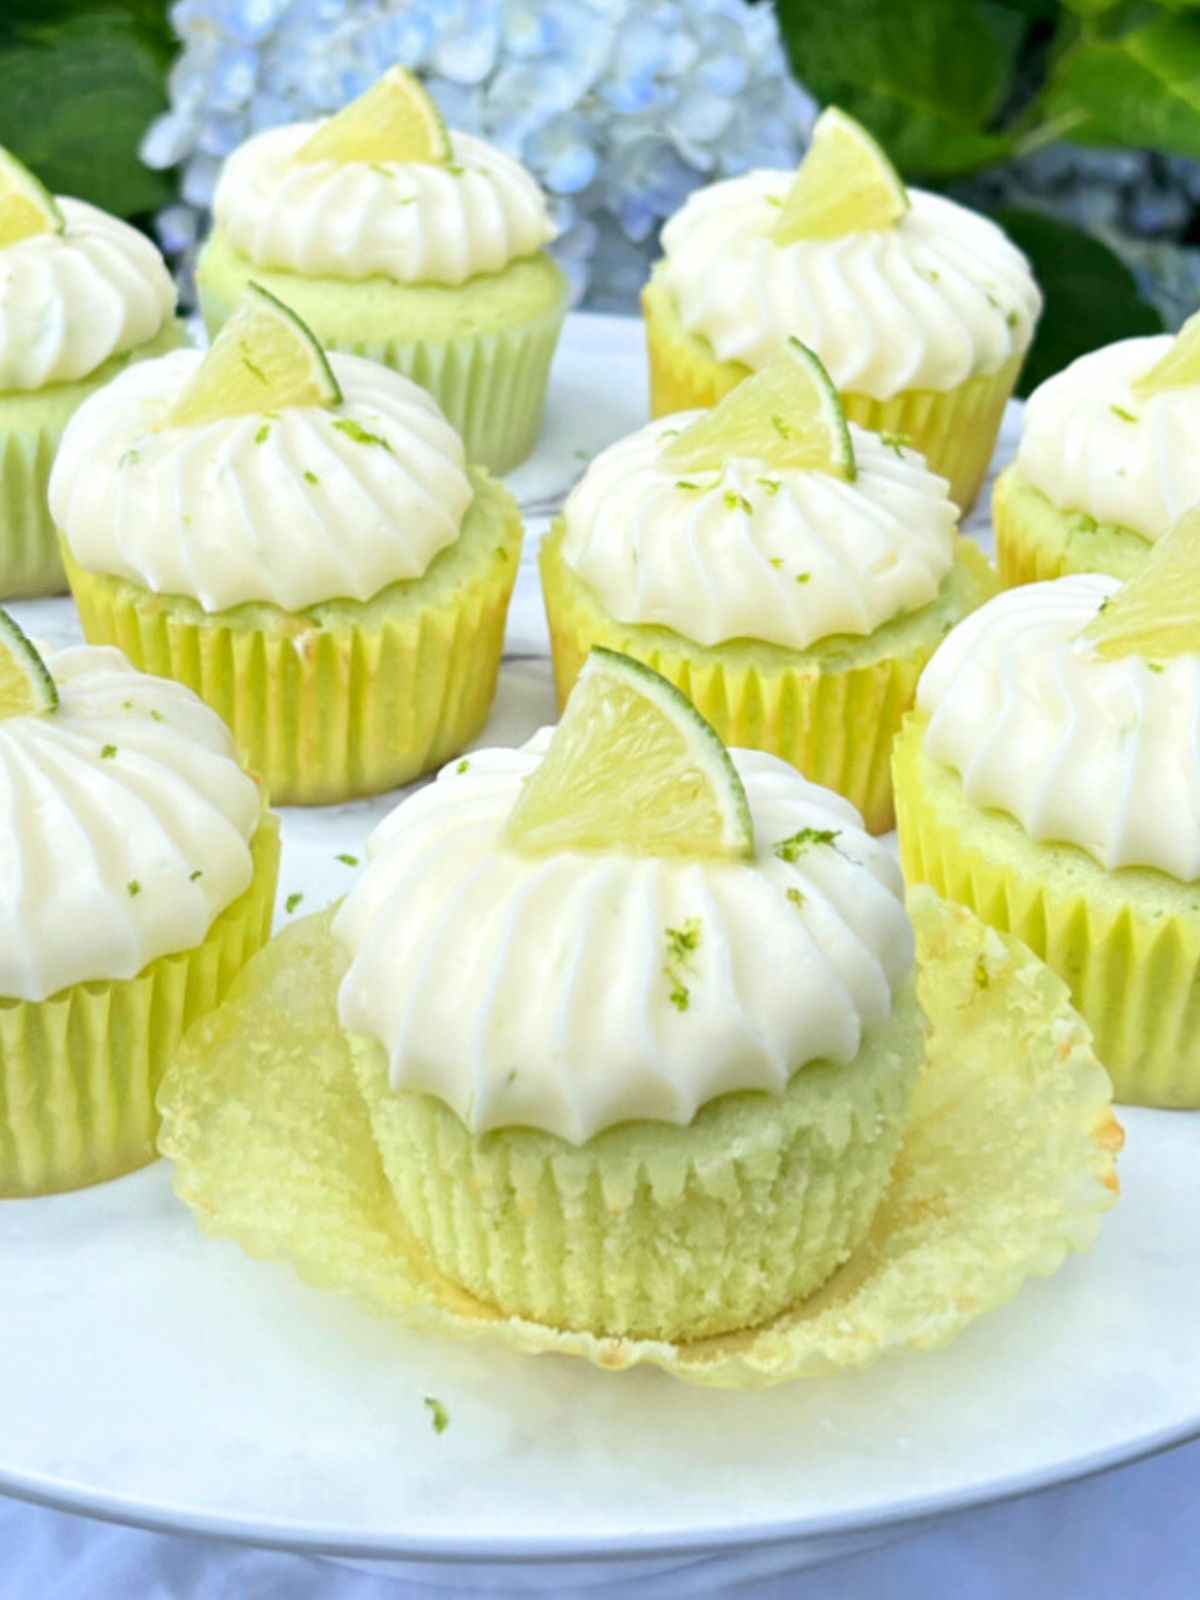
(1109, 458)
(1050, 780)
(303, 543)
(137, 876)
(921, 310)
(397, 240)
(81, 296)
(792, 586)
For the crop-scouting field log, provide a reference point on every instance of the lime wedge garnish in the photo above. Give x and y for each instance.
(26, 687)
(1156, 613)
(632, 767)
(787, 414)
(26, 206)
(1179, 368)
(263, 359)
(845, 184)
(395, 120)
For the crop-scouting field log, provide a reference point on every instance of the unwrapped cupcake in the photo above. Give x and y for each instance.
(398, 240)
(302, 542)
(921, 309)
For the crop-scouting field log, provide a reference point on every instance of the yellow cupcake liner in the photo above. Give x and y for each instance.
(1036, 541)
(79, 1072)
(831, 713)
(344, 701)
(1130, 956)
(955, 429)
(1007, 1164)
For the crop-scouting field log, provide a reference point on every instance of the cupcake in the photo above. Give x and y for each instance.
(137, 876)
(1109, 458)
(793, 586)
(81, 296)
(300, 541)
(397, 240)
(921, 309)
(1049, 779)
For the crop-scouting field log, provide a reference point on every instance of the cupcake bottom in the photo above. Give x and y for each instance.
(832, 710)
(1035, 540)
(1126, 943)
(348, 698)
(482, 348)
(955, 429)
(31, 425)
(79, 1072)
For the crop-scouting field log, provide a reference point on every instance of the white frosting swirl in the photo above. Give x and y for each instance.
(1100, 754)
(785, 555)
(71, 301)
(539, 993)
(125, 823)
(411, 221)
(293, 507)
(939, 298)
(1090, 446)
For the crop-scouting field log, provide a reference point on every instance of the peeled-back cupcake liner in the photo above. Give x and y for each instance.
(1127, 943)
(490, 383)
(831, 713)
(1036, 541)
(79, 1072)
(955, 429)
(31, 426)
(347, 699)
(1007, 1164)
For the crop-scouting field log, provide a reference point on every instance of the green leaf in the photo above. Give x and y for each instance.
(77, 97)
(1092, 297)
(924, 77)
(1140, 88)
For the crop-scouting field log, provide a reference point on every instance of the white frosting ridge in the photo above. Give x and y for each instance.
(789, 555)
(927, 304)
(1090, 446)
(409, 221)
(108, 861)
(1100, 754)
(539, 992)
(71, 301)
(292, 507)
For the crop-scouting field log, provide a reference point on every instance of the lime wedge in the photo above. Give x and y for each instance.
(263, 359)
(395, 120)
(1156, 613)
(633, 767)
(845, 184)
(26, 206)
(26, 687)
(787, 414)
(1179, 368)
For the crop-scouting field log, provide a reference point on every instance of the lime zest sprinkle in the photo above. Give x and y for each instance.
(738, 502)
(1011, 318)
(156, 716)
(803, 577)
(776, 561)
(781, 427)
(108, 752)
(462, 765)
(129, 458)
(686, 483)
(263, 434)
(456, 171)
(1120, 411)
(682, 944)
(134, 888)
(194, 877)
(791, 849)
(310, 477)
(438, 1415)
(346, 859)
(771, 485)
(252, 366)
(360, 435)
(796, 897)
(1154, 666)
(897, 442)
(293, 900)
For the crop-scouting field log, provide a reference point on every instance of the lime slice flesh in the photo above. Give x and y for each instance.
(395, 120)
(1156, 614)
(788, 414)
(1179, 368)
(263, 359)
(26, 206)
(26, 687)
(845, 184)
(632, 767)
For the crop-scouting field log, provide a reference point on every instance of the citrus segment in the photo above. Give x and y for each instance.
(26, 687)
(845, 184)
(395, 120)
(1156, 614)
(26, 206)
(1179, 368)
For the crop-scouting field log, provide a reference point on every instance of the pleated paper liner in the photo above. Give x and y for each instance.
(489, 379)
(832, 711)
(1127, 943)
(1007, 1164)
(1036, 541)
(31, 426)
(79, 1072)
(348, 698)
(955, 429)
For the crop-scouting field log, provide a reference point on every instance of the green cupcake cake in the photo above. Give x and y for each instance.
(398, 240)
